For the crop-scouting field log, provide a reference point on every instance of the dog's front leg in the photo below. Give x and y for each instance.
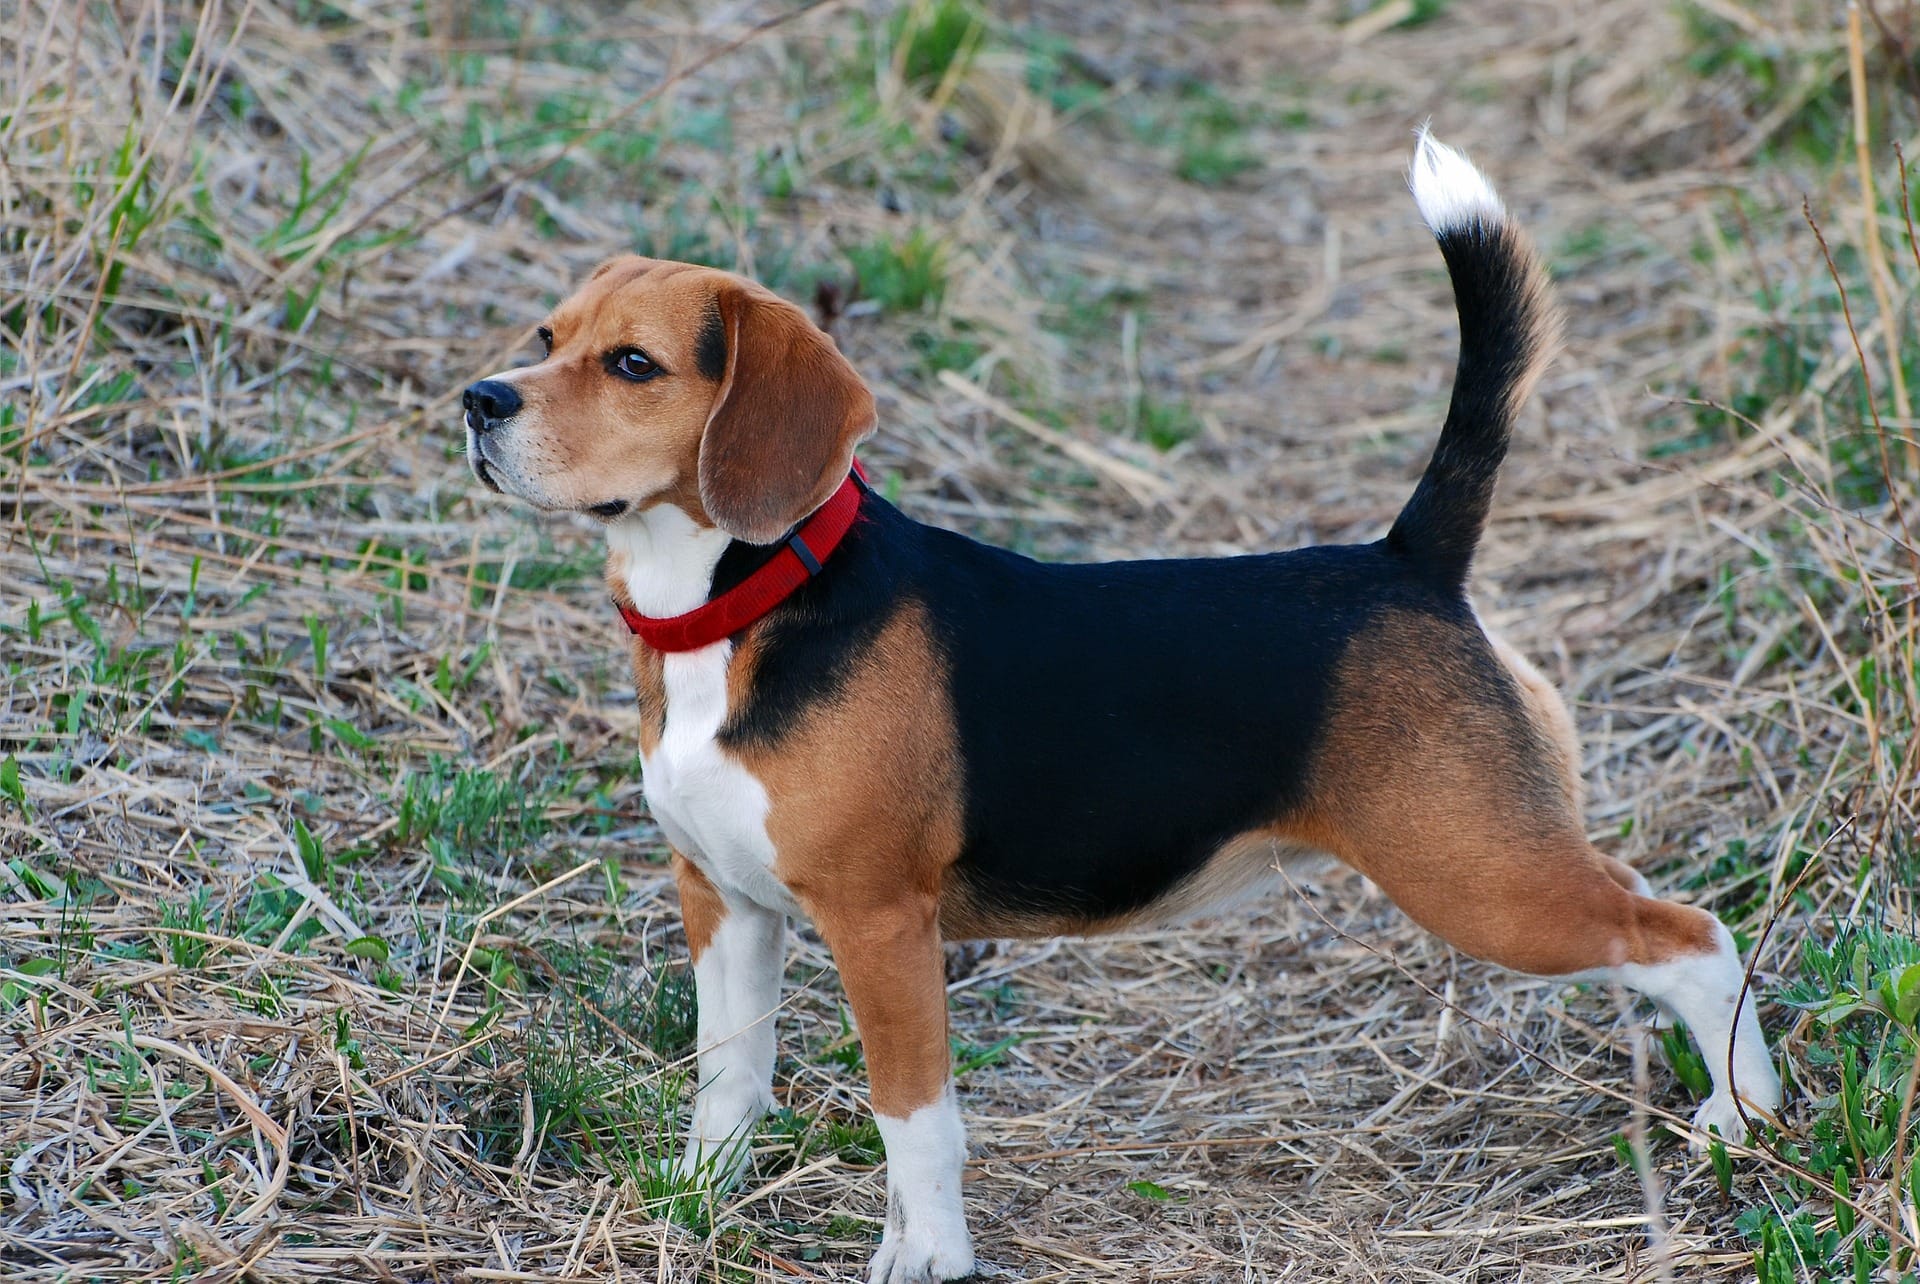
(893, 973)
(737, 951)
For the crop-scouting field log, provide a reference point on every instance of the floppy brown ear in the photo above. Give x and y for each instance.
(791, 409)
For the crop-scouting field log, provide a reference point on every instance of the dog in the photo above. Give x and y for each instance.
(908, 737)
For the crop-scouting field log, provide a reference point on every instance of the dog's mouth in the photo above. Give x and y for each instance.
(483, 470)
(489, 474)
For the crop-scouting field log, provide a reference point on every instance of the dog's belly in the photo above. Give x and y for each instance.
(712, 809)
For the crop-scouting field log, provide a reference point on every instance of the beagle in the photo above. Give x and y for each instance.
(908, 737)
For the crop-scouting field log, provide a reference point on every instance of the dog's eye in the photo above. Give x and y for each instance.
(546, 339)
(631, 363)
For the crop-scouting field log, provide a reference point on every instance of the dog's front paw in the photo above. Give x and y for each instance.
(714, 1163)
(921, 1252)
(718, 1146)
(718, 1149)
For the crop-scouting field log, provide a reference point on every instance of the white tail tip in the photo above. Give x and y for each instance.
(1451, 193)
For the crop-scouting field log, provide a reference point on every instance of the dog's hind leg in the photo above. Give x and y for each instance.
(1560, 912)
(1448, 788)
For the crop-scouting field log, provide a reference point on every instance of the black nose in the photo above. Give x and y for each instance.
(489, 404)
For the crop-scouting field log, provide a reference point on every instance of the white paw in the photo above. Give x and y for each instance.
(919, 1253)
(712, 1163)
(719, 1143)
(1759, 1093)
(1759, 1087)
(1718, 1112)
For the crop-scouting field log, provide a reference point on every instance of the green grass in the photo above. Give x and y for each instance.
(1165, 424)
(183, 928)
(1829, 1209)
(1162, 423)
(1212, 148)
(444, 807)
(1772, 77)
(932, 40)
(1853, 1167)
(603, 1065)
(904, 275)
(854, 1140)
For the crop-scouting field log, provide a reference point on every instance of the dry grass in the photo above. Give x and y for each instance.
(334, 939)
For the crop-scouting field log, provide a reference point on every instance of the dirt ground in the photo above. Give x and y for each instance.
(1194, 313)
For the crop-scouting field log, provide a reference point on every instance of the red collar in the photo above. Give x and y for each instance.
(800, 558)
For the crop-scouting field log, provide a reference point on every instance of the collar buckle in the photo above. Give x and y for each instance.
(805, 554)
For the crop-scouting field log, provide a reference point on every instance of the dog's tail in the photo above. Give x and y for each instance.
(1508, 329)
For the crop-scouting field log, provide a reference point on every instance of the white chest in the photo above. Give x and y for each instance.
(711, 808)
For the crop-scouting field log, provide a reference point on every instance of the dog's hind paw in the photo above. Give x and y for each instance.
(1720, 1112)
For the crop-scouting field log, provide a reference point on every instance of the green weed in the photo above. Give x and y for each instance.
(1162, 424)
(11, 787)
(1421, 12)
(904, 275)
(855, 1141)
(1165, 424)
(182, 940)
(272, 916)
(445, 808)
(601, 1063)
(944, 352)
(1211, 147)
(1774, 76)
(1056, 72)
(932, 40)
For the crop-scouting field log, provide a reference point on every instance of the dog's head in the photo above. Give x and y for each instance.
(672, 383)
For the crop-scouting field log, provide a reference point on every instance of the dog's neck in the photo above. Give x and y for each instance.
(667, 559)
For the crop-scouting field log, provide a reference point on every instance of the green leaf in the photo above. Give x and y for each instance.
(1623, 1151)
(1722, 1166)
(316, 627)
(1149, 1190)
(1904, 999)
(42, 884)
(1838, 1011)
(349, 735)
(10, 781)
(313, 857)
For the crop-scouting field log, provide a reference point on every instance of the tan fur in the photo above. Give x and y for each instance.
(1554, 721)
(649, 678)
(1624, 874)
(781, 370)
(701, 906)
(894, 973)
(752, 451)
(1550, 714)
(865, 813)
(583, 436)
(1461, 812)
(864, 793)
